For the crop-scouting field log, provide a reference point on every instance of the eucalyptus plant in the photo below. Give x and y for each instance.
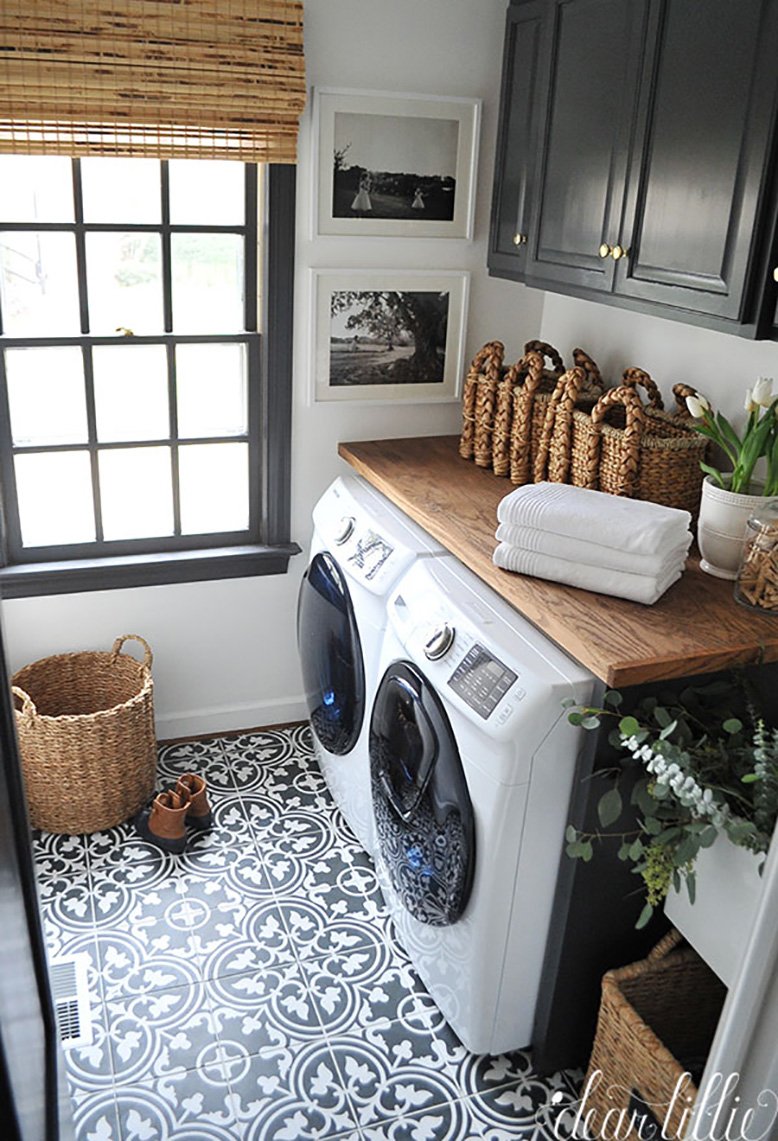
(705, 770)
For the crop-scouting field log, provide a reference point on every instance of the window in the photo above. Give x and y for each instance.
(144, 370)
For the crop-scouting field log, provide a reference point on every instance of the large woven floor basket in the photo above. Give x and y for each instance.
(85, 724)
(655, 1028)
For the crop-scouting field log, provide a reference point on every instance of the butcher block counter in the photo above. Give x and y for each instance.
(696, 627)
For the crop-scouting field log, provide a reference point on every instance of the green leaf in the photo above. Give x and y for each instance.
(643, 799)
(613, 697)
(708, 836)
(588, 851)
(609, 807)
(628, 727)
(668, 729)
(590, 722)
(567, 702)
(711, 471)
(644, 917)
(575, 718)
(676, 880)
(614, 739)
(636, 850)
(686, 851)
(623, 852)
(750, 778)
(691, 887)
(571, 835)
(732, 725)
(652, 825)
(661, 716)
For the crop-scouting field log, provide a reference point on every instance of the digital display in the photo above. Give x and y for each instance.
(481, 680)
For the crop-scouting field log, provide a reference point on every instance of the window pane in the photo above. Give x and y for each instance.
(211, 195)
(123, 190)
(207, 283)
(136, 493)
(36, 188)
(38, 284)
(46, 396)
(124, 279)
(214, 488)
(55, 498)
(131, 394)
(211, 388)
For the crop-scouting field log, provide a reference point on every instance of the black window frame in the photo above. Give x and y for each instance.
(268, 342)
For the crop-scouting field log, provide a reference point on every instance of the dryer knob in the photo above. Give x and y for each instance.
(345, 530)
(439, 642)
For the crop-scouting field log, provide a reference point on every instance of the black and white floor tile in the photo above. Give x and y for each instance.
(252, 988)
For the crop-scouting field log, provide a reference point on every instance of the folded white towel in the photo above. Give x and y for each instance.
(632, 525)
(594, 554)
(620, 584)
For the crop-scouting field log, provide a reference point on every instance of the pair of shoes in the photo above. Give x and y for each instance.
(164, 821)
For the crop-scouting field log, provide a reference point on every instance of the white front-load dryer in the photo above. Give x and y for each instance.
(361, 546)
(472, 759)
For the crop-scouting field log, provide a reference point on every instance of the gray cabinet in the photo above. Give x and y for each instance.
(654, 124)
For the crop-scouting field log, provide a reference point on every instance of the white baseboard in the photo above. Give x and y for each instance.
(229, 718)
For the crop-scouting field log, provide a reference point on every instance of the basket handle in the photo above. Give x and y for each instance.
(633, 433)
(584, 361)
(148, 657)
(546, 350)
(665, 945)
(531, 368)
(638, 376)
(28, 705)
(680, 392)
(488, 361)
(553, 460)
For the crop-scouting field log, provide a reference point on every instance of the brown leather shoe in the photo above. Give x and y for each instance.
(199, 814)
(162, 823)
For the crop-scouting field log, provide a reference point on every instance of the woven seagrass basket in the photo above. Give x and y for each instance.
(655, 1027)
(504, 408)
(625, 446)
(85, 724)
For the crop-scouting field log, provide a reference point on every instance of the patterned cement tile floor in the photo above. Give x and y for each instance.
(252, 988)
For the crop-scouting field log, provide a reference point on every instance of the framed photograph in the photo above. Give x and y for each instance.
(388, 335)
(394, 165)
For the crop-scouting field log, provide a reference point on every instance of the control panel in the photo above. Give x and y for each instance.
(482, 680)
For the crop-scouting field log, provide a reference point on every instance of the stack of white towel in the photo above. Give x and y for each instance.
(623, 547)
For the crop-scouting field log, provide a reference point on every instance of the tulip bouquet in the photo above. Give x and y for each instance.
(759, 438)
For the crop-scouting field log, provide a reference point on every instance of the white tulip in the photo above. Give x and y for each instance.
(697, 406)
(763, 391)
(749, 403)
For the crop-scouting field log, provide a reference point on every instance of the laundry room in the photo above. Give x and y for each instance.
(309, 820)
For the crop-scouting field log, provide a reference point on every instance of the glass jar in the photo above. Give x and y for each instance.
(757, 577)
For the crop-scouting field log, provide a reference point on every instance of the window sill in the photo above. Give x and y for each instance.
(26, 580)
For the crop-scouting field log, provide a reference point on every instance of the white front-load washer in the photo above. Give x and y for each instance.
(361, 546)
(472, 759)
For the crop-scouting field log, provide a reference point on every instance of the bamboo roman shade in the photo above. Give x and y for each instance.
(157, 78)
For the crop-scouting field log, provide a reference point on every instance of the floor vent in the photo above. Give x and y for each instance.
(70, 993)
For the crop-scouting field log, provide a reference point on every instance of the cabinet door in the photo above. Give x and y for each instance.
(710, 120)
(515, 141)
(592, 55)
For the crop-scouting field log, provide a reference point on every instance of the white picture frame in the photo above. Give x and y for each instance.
(409, 160)
(367, 343)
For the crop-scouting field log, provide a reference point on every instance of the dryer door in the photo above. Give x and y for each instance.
(423, 812)
(330, 655)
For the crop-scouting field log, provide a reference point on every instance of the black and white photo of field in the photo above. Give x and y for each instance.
(381, 337)
(394, 167)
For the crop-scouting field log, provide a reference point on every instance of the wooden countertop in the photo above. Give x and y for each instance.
(696, 627)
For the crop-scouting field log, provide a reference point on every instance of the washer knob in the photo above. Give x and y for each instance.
(439, 642)
(345, 530)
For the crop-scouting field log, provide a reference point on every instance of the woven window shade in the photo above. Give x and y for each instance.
(157, 78)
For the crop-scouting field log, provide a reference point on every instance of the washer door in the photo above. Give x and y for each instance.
(423, 813)
(330, 655)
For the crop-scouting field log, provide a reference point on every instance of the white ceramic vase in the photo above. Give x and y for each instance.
(721, 527)
(718, 923)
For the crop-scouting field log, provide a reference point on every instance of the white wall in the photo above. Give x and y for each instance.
(224, 651)
(720, 365)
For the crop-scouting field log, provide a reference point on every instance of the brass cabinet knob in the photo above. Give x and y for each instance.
(775, 274)
(519, 239)
(618, 252)
(605, 250)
